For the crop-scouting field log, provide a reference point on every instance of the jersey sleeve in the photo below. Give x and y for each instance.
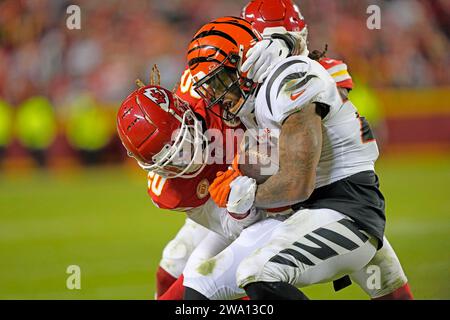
(177, 194)
(338, 71)
(164, 193)
(180, 194)
(292, 86)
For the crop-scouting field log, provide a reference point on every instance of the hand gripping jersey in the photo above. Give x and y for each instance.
(349, 150)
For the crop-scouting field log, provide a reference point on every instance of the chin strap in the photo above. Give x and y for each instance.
(248, 105)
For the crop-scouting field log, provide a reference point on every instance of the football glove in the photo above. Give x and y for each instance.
(242, 195)
(262, 57)
(220, 188)
(233, 191)
(232, 226)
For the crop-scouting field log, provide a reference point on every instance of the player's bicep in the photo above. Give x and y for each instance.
(300, 146)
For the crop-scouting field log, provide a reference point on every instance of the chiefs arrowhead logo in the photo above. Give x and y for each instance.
(202, 188)
(158, 96)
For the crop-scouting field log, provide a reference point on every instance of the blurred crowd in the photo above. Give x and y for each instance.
(120, 40)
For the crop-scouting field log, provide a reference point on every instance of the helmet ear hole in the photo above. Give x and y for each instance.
(234, 58)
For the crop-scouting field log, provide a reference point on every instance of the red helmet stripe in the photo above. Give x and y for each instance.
(149, 123)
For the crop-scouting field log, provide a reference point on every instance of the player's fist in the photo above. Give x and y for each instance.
(242, 195)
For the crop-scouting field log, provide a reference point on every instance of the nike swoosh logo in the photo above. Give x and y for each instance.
(294, 96)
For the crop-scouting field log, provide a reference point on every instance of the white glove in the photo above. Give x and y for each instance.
(262, 57)
(233, 226)
(242, 195)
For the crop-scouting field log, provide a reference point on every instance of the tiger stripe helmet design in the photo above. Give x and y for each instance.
(215, 55)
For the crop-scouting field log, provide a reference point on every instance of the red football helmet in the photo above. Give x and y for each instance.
(267, 14)
(162, 133)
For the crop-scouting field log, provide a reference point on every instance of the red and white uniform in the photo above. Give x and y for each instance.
(338, 71)
(182, 194)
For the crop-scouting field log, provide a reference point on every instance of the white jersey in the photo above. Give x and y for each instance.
(348, 145)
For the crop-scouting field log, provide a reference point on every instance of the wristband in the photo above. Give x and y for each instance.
(289, 39)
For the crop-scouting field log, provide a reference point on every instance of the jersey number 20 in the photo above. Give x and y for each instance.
(155, 183)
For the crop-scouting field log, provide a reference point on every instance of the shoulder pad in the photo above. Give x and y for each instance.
(292, 85)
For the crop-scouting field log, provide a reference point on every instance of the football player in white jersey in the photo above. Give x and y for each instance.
(327, 157)
(284, 19)
(292, 29)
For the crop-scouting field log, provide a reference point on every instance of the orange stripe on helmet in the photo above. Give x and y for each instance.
(213, 32)
(239, 25)
(218, 40)
(208, 47)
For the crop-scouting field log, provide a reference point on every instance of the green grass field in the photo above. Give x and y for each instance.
(102, 220)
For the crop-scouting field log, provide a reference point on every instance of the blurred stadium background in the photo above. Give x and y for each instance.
(68, 195)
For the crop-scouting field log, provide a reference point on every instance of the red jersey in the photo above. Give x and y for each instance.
(184, 194)
(338, 70)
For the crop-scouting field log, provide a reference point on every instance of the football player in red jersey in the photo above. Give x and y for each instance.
(185, 194)
(170, 139)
